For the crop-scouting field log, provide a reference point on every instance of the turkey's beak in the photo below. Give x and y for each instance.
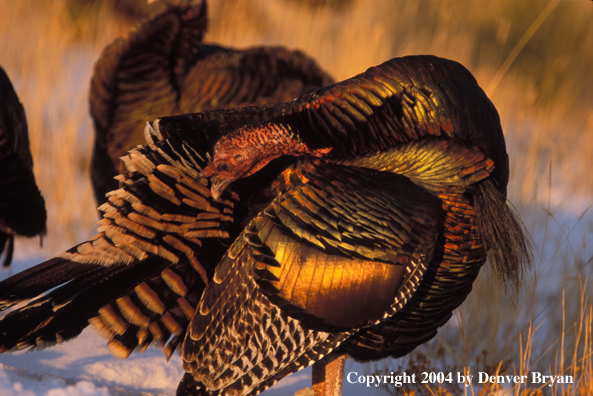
(217, 186)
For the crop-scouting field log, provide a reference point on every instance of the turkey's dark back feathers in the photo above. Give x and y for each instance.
(403, 100)
(163, 68)
(22, 208)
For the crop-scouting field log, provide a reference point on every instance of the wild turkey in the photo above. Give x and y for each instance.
(360, 236)
(22, 208)
(164, 68)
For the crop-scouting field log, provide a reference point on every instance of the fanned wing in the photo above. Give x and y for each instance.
(22, 208)
(457, 258)
(139, 279)
(345, 245)
(163, 68)
(240, 341)
(340, 248)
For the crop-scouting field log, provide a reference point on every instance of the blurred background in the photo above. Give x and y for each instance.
(533, 58)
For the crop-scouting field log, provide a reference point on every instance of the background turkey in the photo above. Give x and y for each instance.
(364, 252)
(22, 208)
(164, 68)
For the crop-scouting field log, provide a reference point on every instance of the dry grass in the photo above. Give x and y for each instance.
(570, 353)
(533, 58)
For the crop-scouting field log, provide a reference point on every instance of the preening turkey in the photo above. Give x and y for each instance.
(22, 208)
(350, 221)
(164, 68)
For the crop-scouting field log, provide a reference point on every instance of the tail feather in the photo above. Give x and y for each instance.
(39, 279)
(74, 293)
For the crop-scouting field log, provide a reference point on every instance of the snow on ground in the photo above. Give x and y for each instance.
(84, 367)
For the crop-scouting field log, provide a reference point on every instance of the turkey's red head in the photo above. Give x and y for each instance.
(247, 150)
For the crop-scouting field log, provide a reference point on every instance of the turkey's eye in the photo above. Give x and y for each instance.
(223, 167)
(239, 157)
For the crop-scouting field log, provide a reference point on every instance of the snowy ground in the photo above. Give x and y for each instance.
(84, 367)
